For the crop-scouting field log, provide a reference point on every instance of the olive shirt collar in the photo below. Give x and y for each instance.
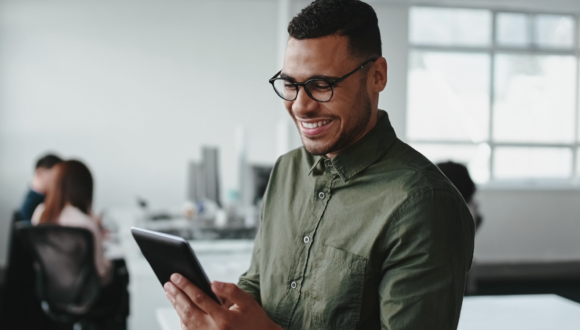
(365, 152)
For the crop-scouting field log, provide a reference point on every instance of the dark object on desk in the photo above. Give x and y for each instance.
(160, 216)
(203, 177)
(168, 254)
(225, 233)
(67, 282)
(142, 203)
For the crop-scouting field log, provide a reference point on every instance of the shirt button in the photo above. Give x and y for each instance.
(306, 239)
(293, 285)
(321, 195)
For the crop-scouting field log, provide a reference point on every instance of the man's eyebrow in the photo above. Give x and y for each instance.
(285, 76)
(319, 76)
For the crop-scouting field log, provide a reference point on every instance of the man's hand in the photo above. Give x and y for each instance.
(198, 311)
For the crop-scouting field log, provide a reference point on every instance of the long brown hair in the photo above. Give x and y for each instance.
(73, 184)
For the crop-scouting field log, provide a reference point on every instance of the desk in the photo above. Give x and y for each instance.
(525, 312)
(529, 312)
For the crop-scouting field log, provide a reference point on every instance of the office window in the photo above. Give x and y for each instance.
(495, 90)
(554, 31)
(448, 96)
(513, 30)
(533, 163)
(445, 26)
(535, 98)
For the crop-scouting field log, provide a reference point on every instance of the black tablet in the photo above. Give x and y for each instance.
(168, 254)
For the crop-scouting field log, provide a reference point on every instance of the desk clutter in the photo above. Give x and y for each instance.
(203, 216)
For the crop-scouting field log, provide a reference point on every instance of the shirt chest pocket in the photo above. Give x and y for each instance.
(336, 297)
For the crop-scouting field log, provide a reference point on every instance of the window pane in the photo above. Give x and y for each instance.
(532, 163)
(554, 31)
(448, 96)
(534, 98)
(444, 26)
(475, 157)
(512, 29)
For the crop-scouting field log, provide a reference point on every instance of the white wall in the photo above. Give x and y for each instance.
(528, 225)
(393, 22)
(133, 88)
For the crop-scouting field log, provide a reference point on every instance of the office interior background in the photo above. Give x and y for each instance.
(136, 89)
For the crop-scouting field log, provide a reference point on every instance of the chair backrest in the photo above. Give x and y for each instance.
(66, 277)
(19, 304)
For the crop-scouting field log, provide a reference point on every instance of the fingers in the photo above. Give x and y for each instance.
(197, 296)
(231, 292)
(188, 312)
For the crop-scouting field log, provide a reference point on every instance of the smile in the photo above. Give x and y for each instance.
(315, 124)
(313, 129)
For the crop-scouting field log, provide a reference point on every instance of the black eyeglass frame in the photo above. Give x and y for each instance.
(303, 84)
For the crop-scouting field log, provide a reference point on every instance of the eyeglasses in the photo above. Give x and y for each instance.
(318, 89)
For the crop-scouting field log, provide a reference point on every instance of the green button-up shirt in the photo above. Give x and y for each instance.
(375, 238)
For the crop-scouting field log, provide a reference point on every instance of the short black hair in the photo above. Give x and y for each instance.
(48, 161)
(353, 19)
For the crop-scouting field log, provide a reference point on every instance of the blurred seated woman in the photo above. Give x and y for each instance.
(68, 203)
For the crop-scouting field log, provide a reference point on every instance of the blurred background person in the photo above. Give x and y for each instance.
(69, 203)
(459, 176)
(43, 174)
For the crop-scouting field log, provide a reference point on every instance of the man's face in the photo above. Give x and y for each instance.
(329, 127)
(43, 179)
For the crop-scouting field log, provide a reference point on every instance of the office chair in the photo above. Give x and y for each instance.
(20, 307)
(67, 282)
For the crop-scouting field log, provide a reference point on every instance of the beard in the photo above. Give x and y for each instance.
(362, 110)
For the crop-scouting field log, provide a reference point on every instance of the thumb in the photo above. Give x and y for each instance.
(231, 292)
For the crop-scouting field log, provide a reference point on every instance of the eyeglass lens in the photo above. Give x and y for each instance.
(319, 90)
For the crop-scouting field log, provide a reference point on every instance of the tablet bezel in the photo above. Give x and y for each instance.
(186, 264)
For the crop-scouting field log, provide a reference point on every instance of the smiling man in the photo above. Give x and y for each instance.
(359, 230)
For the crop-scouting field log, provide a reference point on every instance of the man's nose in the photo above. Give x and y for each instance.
(303, 103)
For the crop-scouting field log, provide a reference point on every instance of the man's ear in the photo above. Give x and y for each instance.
(379, 74)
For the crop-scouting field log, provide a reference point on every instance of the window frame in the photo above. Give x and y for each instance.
(491, 51)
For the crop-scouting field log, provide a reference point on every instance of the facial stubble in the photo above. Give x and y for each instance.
(363, 114)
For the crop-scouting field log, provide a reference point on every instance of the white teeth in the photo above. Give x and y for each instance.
(314, 125)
